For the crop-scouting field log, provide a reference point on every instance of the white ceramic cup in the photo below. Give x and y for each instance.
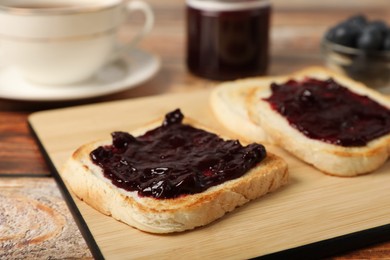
(60, 42)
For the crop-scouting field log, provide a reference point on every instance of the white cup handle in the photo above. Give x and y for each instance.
(135, 6)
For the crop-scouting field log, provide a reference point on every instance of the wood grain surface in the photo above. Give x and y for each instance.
(18, 150)
(314, 205)
(297, 27)
(34, 221)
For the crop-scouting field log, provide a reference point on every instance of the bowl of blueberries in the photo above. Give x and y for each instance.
(360, 49)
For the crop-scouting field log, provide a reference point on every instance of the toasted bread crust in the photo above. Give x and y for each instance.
(228, 102)
(86, 180)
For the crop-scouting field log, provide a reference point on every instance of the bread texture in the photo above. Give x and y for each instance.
(329, 158)
(228, 102)
(152, 215)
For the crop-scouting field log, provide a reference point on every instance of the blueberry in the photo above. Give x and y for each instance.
(386, 42)
(344, 34)
(357, 20)
(378, 25)
(371, 38)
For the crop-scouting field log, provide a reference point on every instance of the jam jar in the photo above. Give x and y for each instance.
(227, 39)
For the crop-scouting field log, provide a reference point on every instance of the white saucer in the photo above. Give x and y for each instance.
(123, 74)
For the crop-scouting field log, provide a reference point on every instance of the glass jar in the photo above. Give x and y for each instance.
(228, 39)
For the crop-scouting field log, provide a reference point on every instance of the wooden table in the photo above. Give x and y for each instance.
(34, 219)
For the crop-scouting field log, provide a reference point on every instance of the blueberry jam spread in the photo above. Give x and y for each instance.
(327, 111)
(174, 159)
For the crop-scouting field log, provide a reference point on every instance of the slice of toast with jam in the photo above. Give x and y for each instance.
(171, 176)
(332, 122)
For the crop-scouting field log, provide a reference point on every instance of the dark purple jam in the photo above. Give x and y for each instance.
(174, 159)
(327, 111)
(225, 45)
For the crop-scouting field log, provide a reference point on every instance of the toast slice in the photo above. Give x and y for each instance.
(330, 158)
(155, 215)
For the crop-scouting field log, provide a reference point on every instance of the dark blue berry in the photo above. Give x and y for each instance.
(357, 20)
(371, 38)
(343, 34)
(386, 42)
(378, 25)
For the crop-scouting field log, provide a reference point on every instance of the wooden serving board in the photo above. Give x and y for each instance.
(312, 215)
